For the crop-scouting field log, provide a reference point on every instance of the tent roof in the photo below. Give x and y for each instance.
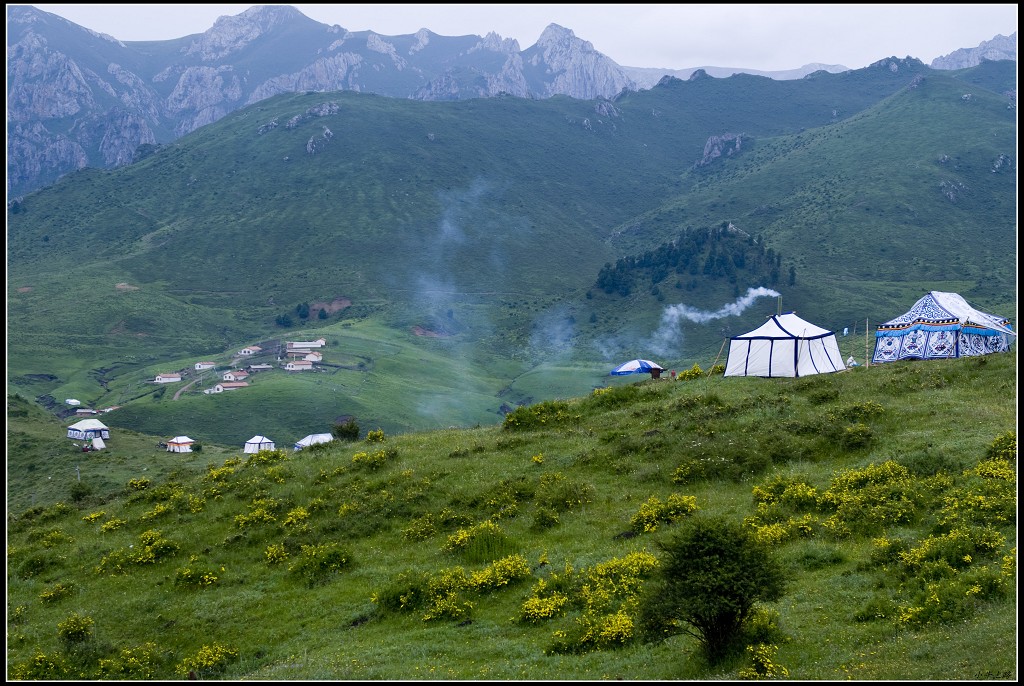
(786, 326)
(940, 307)
(636, 367)
(259, 439)
(312, 439)
(87, 424)
(181, 439)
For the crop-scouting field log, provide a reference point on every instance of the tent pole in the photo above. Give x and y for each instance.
(718, 356)
(708, 377)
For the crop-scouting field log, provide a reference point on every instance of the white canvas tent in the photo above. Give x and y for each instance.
(180, 444)
(941, 325)
(785, 345)
(98, 444)
(313, 439)
(88, 429)
(258, 443)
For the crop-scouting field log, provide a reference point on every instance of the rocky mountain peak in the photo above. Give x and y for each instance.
(999, 48)
(493, 41)
(231, 33)
(555, 35)
(579, 70)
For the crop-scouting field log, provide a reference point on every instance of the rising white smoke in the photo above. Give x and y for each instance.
(667, 339)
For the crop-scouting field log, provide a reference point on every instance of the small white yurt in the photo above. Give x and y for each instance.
(313, 439)
(180, 444)
(258, 443)
(785, 345)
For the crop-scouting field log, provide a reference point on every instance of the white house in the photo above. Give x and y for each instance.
(200, 366)
(168, 377)
(298, 365)
(314, 356)
(235, 375)
(307, 345)
(229, 386)
(250, 350)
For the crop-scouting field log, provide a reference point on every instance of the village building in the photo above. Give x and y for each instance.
(303, 354)
(259, 367)
(235, 375)
(298, 365)
(167, 377)
(200, 366)
(229, 386)
(318, 343)
(250, 350)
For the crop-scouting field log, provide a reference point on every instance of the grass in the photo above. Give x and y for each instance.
(560, 480)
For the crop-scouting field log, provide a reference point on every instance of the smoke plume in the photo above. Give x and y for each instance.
(667, 339)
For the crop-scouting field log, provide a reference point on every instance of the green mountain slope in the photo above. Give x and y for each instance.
(521, 551)
(873, 211)
(470, 236)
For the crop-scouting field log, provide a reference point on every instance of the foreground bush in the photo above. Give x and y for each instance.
(711, 578)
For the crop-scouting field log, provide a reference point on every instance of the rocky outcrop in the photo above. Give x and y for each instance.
(727, 144)
(230, 34)
(999, 48)
(575, 68)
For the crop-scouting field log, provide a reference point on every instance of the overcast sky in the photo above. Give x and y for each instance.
(671, 36)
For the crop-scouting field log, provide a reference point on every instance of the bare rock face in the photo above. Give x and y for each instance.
(576, 69)
(727, 144)
(231, 34)
(999, 48)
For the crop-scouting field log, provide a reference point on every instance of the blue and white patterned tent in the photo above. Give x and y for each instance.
(88, 429)
(939, 326)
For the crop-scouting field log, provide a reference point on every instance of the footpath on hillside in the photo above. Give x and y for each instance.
(184, 388)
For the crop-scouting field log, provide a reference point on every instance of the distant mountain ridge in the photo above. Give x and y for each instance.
(999, 48)
(78, 98)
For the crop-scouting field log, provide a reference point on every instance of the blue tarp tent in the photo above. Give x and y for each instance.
(939, 326)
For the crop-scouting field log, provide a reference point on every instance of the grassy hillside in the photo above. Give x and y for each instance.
(468, 238)
(888, 493)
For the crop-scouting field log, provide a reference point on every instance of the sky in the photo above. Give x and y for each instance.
(664, 36)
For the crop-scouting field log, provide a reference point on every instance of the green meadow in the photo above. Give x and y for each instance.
(520, 549)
